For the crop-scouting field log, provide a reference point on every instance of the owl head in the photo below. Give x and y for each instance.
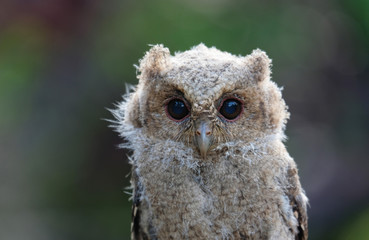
(204, 97)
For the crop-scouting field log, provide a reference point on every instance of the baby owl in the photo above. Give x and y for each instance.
(206, 130)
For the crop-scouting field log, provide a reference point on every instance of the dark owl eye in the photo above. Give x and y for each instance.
(177, 109)
(231, 108)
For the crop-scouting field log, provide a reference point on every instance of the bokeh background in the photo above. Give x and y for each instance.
(63, 62)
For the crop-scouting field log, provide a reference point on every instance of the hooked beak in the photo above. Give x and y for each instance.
(203, 136)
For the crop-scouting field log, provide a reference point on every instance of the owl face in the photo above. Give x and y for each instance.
(204, 97)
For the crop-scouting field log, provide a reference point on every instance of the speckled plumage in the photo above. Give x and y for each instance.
(247, 187)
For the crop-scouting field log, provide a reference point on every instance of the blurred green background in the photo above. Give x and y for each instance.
(63, 62)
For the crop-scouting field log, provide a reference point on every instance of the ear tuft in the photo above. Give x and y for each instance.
(259, 64)
(155, 63)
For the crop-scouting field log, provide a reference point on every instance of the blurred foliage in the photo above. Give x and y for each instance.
(63, 62)
(354, 227)
(357, 228)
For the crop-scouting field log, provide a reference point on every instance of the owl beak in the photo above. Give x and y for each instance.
(203, 136)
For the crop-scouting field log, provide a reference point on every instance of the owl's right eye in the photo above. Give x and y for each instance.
(231, 109)
(177, 109)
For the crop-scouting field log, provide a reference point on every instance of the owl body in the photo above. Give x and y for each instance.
(206, 129)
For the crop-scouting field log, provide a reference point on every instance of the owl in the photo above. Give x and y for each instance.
(206, 130)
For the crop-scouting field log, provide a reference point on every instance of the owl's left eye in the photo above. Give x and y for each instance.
(177, 109)
(231, 108)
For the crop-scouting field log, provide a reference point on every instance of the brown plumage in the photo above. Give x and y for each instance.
(206, 129)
